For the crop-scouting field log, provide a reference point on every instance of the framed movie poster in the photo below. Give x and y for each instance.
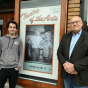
(40, 28)
(39, 47)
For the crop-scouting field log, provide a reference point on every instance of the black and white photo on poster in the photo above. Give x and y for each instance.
(39, 47)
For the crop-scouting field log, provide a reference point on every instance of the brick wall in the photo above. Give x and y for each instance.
(73, 10)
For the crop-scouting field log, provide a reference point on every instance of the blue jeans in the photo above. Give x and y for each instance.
(68, 83)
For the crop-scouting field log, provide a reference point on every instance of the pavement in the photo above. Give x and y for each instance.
(17, 86)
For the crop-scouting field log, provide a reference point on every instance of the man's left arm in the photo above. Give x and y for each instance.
(21, 55)
(81, 64)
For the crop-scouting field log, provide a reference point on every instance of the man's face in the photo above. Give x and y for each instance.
(12, 29)
(76, 24)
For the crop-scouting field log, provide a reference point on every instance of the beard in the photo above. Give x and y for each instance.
(12, 33)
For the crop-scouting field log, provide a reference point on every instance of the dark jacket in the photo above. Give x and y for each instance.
(79, 57)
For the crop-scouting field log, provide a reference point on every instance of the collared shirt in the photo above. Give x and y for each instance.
(73, 41)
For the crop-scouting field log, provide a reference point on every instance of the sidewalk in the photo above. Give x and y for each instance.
(17, 86)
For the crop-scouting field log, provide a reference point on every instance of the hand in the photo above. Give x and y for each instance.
(0, 68)
(16, 69)
(74, 73)
(69, 67)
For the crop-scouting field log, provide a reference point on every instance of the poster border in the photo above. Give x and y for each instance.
(52, 47)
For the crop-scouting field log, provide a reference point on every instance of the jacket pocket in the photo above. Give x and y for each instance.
(8, 59)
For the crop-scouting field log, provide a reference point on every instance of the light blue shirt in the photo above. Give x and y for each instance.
(73, 41)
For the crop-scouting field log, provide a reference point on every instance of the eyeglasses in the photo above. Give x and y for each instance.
(75, 22)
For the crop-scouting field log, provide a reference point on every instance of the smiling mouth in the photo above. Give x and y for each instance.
(12, 31)
(75, 27)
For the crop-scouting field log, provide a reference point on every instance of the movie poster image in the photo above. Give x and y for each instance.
(39, 48)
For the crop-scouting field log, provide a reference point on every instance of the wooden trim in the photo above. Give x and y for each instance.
(63, 21)
(16, 13)
(63, 24)
(1, 16)
(34, 84)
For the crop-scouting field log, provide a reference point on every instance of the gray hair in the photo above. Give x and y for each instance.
(78, 16)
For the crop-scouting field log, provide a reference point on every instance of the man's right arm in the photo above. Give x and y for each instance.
(61, 58)
(60, 52)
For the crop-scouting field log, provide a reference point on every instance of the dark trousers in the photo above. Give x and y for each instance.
(11, 74)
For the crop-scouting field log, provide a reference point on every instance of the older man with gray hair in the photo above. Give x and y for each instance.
(73, 55)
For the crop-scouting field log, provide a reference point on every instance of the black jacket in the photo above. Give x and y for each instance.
(79, 57)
